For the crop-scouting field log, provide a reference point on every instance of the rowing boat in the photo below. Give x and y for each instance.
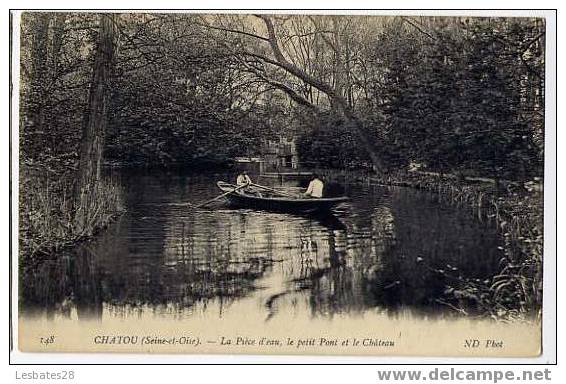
(271, 201)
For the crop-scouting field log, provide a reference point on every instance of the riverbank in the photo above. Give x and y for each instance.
(46, 202)
(46, 210)
(515, 209)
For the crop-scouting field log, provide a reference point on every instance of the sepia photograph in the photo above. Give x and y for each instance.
(280, 183)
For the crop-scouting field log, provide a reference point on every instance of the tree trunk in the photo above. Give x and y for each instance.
(94, 125)
(366, 140)
(52, 73)
(39, 68)
(54, 49)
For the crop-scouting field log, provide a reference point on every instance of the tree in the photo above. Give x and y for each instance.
(95, 121)
(261, 59)
(452, 97)
(56, 51)
(456, 93)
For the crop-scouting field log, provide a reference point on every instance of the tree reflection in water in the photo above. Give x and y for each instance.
(380, 253)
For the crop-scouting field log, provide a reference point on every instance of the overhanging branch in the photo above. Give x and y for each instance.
(294, 95)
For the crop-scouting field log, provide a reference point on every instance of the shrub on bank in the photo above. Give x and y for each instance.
(46, 210)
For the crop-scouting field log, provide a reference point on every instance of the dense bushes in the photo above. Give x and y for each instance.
(46, 210)
(464, 96)
(327, 142)
(461, 99)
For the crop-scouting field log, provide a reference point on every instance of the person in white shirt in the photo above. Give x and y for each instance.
(243, 178)
(315, 187)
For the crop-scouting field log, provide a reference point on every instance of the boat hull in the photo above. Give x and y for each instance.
(242, 200)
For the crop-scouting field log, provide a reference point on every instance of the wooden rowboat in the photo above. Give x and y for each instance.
(255, 198)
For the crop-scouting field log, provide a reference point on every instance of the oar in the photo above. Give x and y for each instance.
(220, 196)
(274, 190)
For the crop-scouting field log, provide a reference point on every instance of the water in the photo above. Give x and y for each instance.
(387, 250)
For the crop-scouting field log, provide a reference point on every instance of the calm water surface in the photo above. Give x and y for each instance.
(380, 252)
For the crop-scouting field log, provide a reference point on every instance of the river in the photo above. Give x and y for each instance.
(389, 249)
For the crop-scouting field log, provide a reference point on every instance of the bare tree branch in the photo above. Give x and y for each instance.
(417, 27)
(233, 31)
(282, 86)
(283, 63)
(534, 40)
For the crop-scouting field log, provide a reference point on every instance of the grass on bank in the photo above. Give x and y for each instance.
(516, 209)
(46, 211)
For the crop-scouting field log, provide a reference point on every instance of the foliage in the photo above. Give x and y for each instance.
(456, 94)
(327, 142)
(456, 99)
(55, 64)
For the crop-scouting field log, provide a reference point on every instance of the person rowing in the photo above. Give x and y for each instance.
(243, 179)
(315, 187)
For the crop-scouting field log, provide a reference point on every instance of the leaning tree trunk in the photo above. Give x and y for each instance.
(366, 141)
(94, 127)
(335, 96)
